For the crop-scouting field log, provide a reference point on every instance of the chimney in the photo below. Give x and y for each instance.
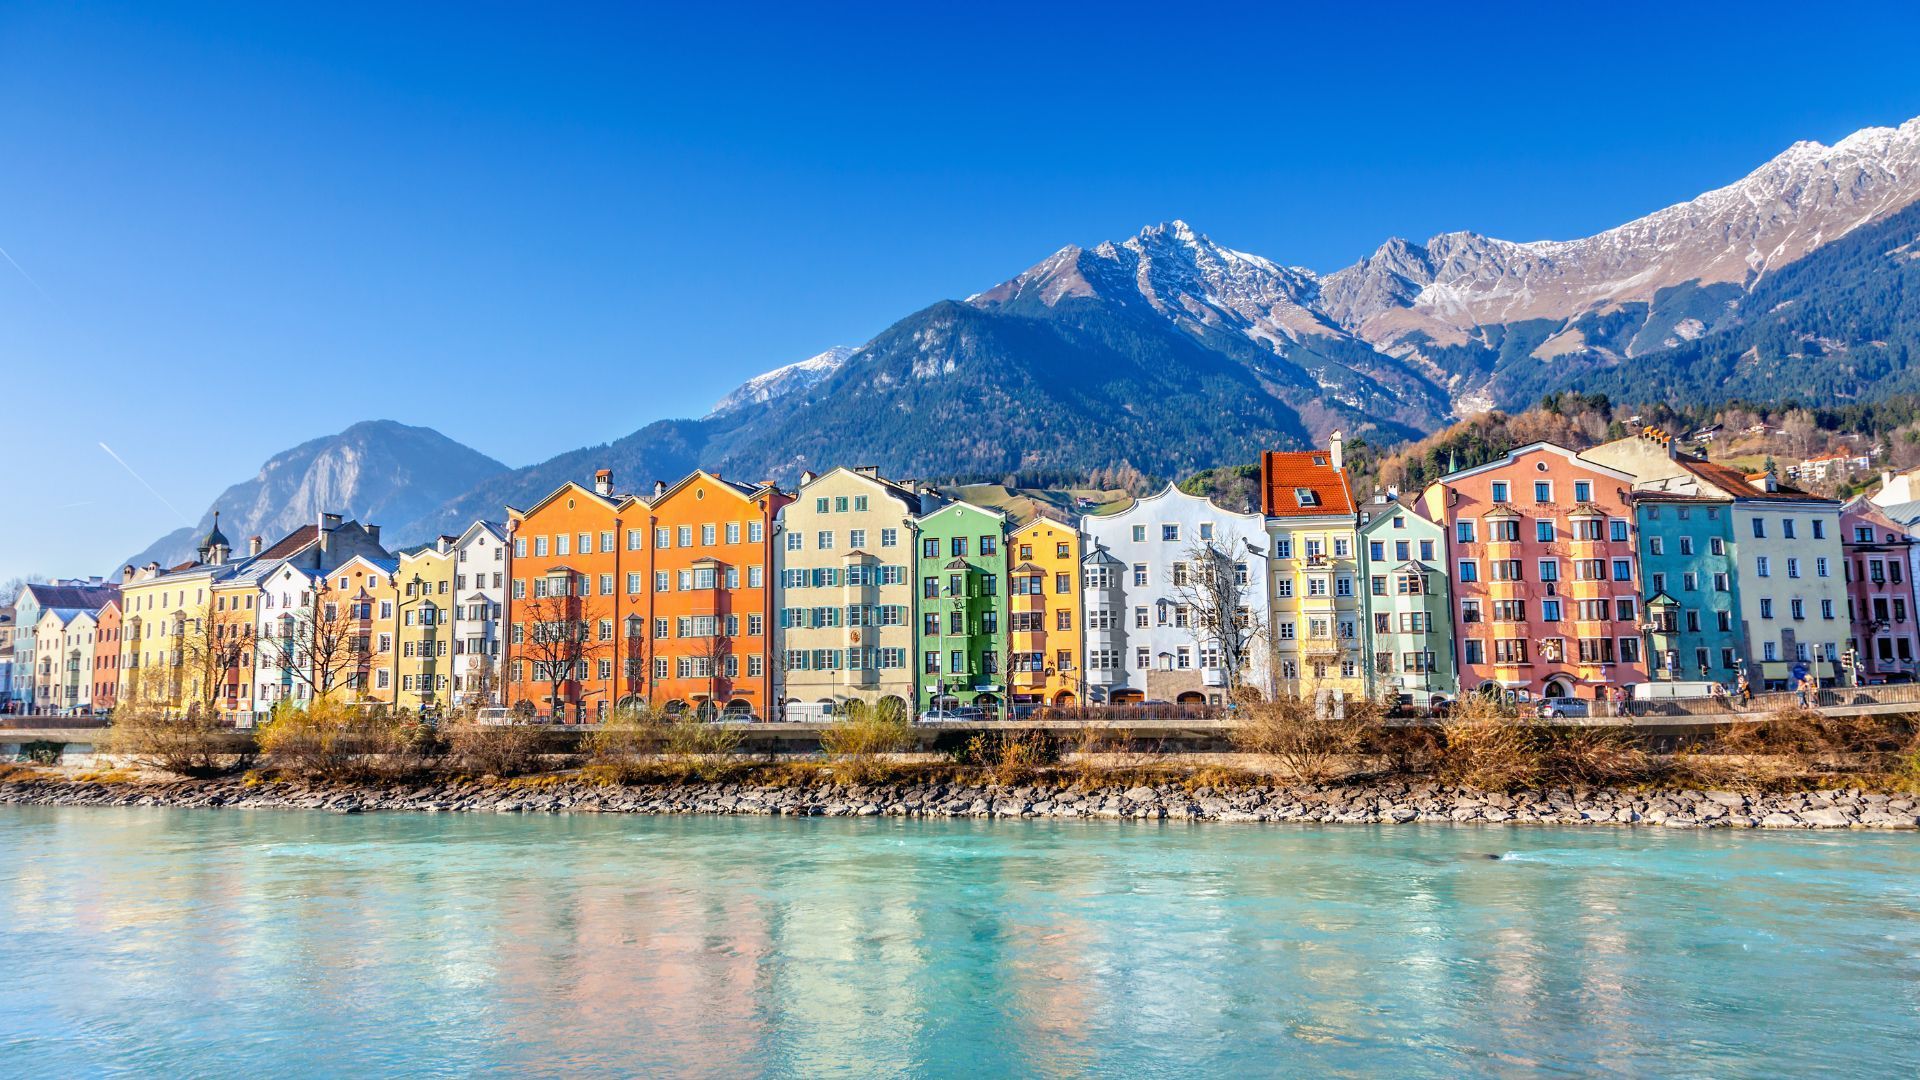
(1333, 445)
(603, 483)
(373, 533)
(1393, 491)
(126, 574)
(659, 488)
(868, 470)
(806, 478)
(255, 545)
(329, 522)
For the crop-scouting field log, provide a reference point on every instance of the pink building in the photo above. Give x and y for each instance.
(1880, 596)
(1545, 576)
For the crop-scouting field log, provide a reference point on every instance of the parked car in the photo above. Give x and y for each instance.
(1563, 708)
(943, 716)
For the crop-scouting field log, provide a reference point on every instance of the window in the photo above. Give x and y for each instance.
(1469, 571)
(1820, 568)
(1759, 528)
(1623, 569)
(1819, 529)
(1463, 532)
(1766, 607)
(1793, 567)
(857, 538)
(756, 531)
(824, 539)
(1786, 528)
(1826, 609)
(1139, 573)
(1139, 534)
(1499, 491)
(1762, 566)
(1170, 533)
(1655, 546)
(733, 532)
(1583, 491)
(1543, 491)
(1617, 530)
(708, 535)
(1543, 530)
(684, 536)
(889, 538)
(1797, 608)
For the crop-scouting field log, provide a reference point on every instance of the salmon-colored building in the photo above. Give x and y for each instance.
(578, 601)
(1543, 569)
(712, 596)
(106, 656)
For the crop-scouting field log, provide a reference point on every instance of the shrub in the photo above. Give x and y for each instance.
(621, 746)
(699, 749)
(495, 749)
(1307, 735)
(197, 744)
(1010, 757)
(1486, 744)
(331, 740)
(855, 743)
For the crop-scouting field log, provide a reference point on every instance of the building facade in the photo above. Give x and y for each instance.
(79, 594)
(480, 602)
(1878, 557)
(844, 557)
(962, 608)
(423, 624)
(1044, 639)
(713, 596)
(579, 601)
(1688, 569)
(1407, 613)
(1140, 594)
(1313, 571)
(1544, 574)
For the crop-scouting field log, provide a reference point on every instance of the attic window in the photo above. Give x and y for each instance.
(1307, 496)
(1319, 459)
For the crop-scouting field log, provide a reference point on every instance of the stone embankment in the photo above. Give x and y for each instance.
(1387, 802)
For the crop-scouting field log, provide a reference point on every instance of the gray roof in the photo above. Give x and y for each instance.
(1905, 513)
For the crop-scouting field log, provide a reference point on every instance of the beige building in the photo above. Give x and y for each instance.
(844, 549)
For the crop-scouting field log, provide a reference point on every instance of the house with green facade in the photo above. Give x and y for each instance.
(1690, 576)
(1407, 607)
(961, 565)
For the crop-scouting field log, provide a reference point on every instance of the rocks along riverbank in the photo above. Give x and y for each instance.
(1377, 803)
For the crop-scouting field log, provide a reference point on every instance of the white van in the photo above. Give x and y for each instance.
(1672, 691)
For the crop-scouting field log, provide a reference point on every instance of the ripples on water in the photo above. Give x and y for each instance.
(230, 943)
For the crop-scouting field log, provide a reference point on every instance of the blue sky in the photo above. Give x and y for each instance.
(242, 226)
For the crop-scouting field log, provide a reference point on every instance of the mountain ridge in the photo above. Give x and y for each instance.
(1166, 351)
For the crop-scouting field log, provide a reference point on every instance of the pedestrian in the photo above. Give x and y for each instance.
(1800, 691)
(1743, 690)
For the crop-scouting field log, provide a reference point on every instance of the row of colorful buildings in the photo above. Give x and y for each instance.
(1545, 573)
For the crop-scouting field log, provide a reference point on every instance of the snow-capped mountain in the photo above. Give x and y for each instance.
(796, 376)
(1168, 352)
(1807, 196)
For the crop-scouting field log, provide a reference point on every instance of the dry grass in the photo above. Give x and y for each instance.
(1488, 745)
(1007, 758)
(856, 743)
(197, 744)
(1309, 736)
(502, 750)
(330, 740)
(12, 772)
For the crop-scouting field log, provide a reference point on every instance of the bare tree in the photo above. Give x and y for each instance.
(318, 645)
(209, 650)
(1215, 587)
(559, 641)
(712, 652)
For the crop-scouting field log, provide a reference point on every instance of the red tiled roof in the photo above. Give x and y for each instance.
(292, 542)
(1735, 482)
(1286, 473)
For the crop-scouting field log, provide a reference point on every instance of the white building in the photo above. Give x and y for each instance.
(1141, 642)
(480, 596)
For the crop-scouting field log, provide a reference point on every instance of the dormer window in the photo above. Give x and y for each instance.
(1320, 460)
(1306, 496)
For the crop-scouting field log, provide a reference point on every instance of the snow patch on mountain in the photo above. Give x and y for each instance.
(781, 381)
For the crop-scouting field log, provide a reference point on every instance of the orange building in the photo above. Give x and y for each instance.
(579, 601)
(712, 596)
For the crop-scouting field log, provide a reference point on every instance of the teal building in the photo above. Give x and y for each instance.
(1690, 577)
(1408, 615)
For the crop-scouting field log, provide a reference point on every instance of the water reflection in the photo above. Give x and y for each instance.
(313, 945)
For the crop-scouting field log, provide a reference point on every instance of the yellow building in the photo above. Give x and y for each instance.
(1314, 575)
(423, 626)
(1044, 615)
(347, 640)
(169, 652)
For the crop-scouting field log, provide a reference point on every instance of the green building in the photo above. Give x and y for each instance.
(1689, 574)
(962, 567)
(1408, 615)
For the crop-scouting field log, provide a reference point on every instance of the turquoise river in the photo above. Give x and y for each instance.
(261, 943)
